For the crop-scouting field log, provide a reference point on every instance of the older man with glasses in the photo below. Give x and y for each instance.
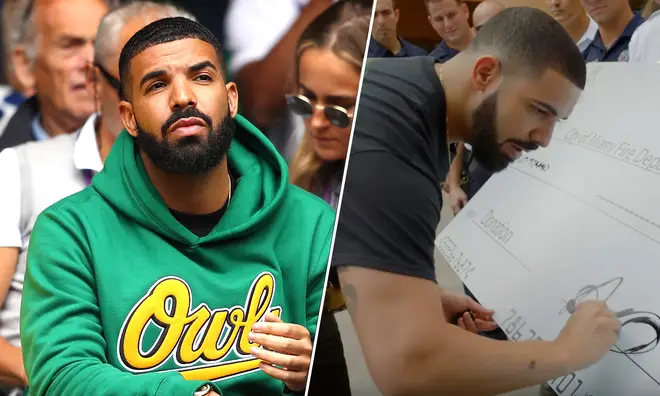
(33, 178)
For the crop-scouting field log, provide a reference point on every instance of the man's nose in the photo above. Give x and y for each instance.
(181, 94)
(86, 56)
(543, 136)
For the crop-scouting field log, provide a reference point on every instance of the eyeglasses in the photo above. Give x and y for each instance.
(114, 82)
(302, 105)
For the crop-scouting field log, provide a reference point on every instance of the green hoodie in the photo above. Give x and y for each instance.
(121, 299)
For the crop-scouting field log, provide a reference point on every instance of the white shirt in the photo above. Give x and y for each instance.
(85, 156)
(254, 27)
(645, 43)
(588, 36)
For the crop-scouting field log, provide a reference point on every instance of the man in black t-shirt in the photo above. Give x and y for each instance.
(503, 95)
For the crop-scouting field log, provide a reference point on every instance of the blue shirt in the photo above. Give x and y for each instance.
(376, 50)
(618, 52)
(442, 53)
(38, 131)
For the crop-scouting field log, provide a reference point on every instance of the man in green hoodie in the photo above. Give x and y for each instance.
(190, 266)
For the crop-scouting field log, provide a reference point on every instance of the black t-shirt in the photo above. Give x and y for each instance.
(392, 196)
(202, 225)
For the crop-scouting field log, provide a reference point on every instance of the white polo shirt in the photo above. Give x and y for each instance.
(588, 36)
(645, 43)
(85, 156)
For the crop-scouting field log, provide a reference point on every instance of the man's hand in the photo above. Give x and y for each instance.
(288, 354)
(474, 317)
(589, 334)
(457, 199)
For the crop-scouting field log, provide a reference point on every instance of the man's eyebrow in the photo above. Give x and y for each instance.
(546, 107)
(202, 65)
(151, 75)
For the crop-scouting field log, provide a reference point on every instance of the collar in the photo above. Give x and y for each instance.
(86, 154)
(37, 130)
(443, 52)
(379, 50)
(588, 35)
(627, 33)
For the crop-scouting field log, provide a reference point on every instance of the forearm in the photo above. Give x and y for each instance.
(459, 362)
(456, 168)
(11, 365)
(263, 84)
(411, 349)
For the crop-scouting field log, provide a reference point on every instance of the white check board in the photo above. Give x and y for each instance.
(577, 220)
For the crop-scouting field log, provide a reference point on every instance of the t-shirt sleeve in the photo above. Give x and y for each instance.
(387, 218)
(10, 200)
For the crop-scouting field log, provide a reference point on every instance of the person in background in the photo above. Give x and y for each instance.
(13, 94)
(55, 43)
(222, 263)
(451, 20)
(33, 178)
(616, 25)
(261, 36)
(385, 42)
(645, 42)
(572, 16)
(328, 64)
(484, 11)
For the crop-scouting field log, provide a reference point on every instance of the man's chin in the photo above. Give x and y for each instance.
(495, 164)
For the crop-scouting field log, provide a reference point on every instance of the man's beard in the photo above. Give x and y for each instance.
(485, 145)
(191, 155)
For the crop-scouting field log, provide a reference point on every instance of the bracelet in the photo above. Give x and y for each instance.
(203, 391)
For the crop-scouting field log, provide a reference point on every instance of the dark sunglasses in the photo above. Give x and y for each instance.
(114, 82)
(301, 105)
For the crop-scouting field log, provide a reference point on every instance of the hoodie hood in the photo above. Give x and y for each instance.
(260, 171)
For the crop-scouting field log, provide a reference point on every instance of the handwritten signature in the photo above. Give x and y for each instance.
(534, 163)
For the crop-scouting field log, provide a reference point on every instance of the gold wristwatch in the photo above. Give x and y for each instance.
(203, 391)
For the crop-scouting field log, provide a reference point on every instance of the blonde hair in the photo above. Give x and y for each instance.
(343, 29)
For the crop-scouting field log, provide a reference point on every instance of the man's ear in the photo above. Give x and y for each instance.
(232, 98)
(23, 69)
(487, 70)
(128, 118)
(466, 9)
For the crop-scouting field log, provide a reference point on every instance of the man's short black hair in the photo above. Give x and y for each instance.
(163, 31)
(529, 40)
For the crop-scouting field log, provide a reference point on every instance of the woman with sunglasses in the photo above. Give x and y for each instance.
(328, 63)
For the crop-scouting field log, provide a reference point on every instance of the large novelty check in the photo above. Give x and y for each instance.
(577, 220)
